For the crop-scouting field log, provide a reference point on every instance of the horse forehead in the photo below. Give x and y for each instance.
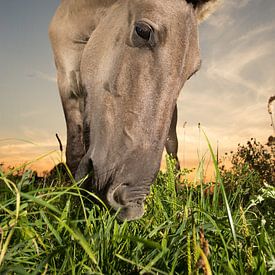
(155, 8)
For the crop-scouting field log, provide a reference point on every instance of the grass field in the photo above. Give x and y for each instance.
(51, 226)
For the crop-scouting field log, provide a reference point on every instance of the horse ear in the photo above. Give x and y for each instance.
(204, 8)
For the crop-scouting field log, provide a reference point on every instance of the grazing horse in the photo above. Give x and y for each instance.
(120, 67)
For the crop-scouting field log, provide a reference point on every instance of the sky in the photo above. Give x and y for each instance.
(228, 96)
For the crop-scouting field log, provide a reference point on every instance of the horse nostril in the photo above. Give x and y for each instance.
(117, 197)
(120, 196)
(126, 194)
(125, 184)
(129, 199)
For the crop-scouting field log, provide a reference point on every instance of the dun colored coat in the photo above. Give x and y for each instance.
(121, 65)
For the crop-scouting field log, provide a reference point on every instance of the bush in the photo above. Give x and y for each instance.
(252, 167)
(251, 174)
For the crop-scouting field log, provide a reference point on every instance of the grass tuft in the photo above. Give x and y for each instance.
(52, 226)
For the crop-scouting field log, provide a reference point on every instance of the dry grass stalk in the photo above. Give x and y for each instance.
(269, 109)
(204, 253)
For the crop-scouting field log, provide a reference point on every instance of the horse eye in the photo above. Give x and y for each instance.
(143, 30)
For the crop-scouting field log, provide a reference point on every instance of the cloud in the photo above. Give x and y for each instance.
(41, 75)
(229, 95)
(230, 67)
(40, 156)
(31, 113)
(256, 32)
(242, 58)
(224, 17)
(220, 20)
(19, 148)
(35, 142)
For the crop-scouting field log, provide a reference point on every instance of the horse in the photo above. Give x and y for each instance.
(121, 65)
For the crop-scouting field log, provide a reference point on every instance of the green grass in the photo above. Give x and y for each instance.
(50, 226)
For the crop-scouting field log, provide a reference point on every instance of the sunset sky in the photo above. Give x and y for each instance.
(228, 96)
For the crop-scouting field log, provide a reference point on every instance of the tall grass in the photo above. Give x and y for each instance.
(53, 226)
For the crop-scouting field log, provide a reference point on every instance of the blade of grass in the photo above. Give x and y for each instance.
(207, 268)
(150, 265)
(41, 202)
(5, 246)
(147, 243)
(10, 184)
(12, 171)
(229, 214)
(53, 230)
(218, 175)
(80, 238)
(139, 265)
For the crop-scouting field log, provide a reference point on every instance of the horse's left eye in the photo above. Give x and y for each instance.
(144, 31)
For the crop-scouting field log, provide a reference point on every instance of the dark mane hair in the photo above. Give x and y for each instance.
(197, 3)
